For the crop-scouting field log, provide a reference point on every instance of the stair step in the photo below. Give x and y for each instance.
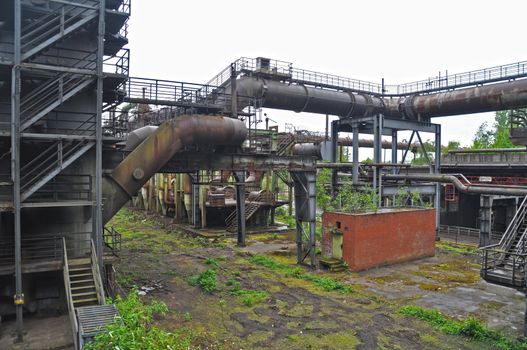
(80, 275)
(82, 294)
(82, 281)
(88, 300)
(91, 286)
(79, 269)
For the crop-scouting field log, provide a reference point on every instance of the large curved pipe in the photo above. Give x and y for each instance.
(301, 98)
(461, 187)
(155, 151)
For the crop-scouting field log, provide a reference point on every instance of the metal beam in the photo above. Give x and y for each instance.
(15, 167)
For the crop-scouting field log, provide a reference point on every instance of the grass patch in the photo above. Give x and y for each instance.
(135, 330)
(206, 280)
(327, 284)
(456, 247)
(251, 297)
(469, 327)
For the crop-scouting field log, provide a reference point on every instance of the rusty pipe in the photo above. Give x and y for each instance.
(301, 98)
(461, 187)
(155, 151)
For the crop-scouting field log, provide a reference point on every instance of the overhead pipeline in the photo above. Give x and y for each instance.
(158, 148)
(302, 98)
(460, 186)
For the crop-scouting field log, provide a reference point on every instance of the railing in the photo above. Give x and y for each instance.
(65, 187)
(284, 70)
(119, 63)
(34, 249)
(97, 275)
(513, 273)
(55, 25)
(174, 93)
(512, 230)
(112, 239)
(67, 287)
(459, 232)
(52, 157)
(471, 78)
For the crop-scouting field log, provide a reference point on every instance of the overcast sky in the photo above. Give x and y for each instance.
(400, 41)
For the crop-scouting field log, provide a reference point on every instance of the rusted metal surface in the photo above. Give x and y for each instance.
(485, 98)
(460, 186)
(154, 152)
(301, 98)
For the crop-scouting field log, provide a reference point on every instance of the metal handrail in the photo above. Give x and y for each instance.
(69, 298)
(97, 275)
(515, 223)
(285, 70)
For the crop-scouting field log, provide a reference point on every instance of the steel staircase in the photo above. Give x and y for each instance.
(49, 163)
(60, 23)
(89, 313)
(505, 262)
(285, 142)
(250, 209)
(48, 96)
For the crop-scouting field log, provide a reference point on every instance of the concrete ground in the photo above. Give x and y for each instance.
(46, 333)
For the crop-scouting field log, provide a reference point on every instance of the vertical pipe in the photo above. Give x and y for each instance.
(275, 189)
(15, 167)
(240, 207)
(98, 138)
(355, 143)
(195, 202)
(234, 93)
(394, 150)
(334, 143)
(437, 170)
(312, 207)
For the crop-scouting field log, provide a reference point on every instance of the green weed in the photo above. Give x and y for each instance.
(469, 327)
(207, 280)
(134, 329)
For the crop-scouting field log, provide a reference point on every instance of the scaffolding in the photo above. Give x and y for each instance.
(50, 126)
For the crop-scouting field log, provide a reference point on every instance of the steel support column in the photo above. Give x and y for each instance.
(485, 214)
(334, 144)
(98, 137)
(15, 167)
(305, 212)
(240, 207)
(355, 151)
(437, 170)
(394, 150)
(234, 92)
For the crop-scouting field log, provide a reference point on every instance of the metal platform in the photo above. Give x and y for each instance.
(94, 319)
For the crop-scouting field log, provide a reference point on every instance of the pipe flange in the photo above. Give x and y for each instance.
(406, 108)
(352, 105)
(368, 106)
(138, 174)
(307, 100)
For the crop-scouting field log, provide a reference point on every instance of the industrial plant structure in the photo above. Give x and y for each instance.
(70, 158)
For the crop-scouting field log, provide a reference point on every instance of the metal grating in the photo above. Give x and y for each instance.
(93, 319)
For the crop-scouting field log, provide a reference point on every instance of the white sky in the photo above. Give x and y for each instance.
(400, 41)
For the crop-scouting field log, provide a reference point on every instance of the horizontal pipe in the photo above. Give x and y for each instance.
(461, 187)
(301, 98)
(158, 148)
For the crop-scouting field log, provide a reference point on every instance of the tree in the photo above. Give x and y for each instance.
(450, 146)
(495, 136)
